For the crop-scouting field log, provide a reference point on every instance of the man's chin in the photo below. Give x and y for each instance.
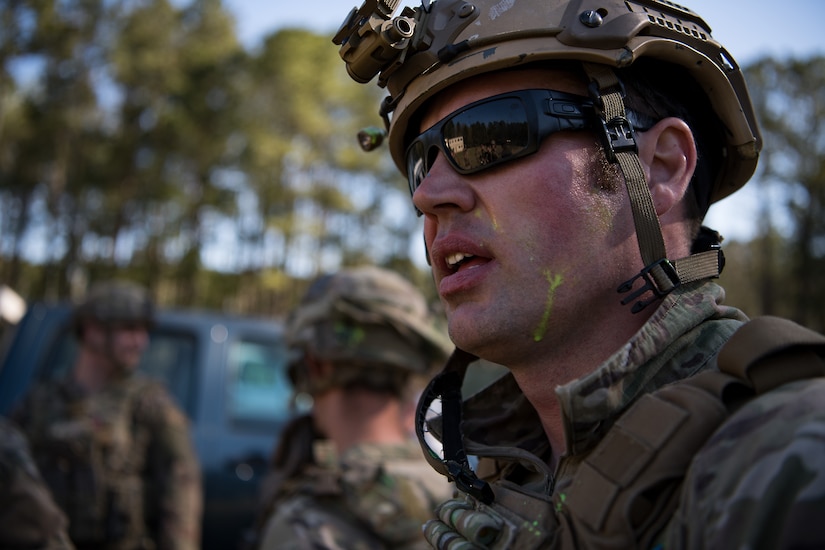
(468, 341)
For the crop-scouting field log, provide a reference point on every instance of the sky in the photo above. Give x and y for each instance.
(749, 29)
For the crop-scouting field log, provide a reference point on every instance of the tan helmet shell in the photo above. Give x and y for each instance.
(489, 35)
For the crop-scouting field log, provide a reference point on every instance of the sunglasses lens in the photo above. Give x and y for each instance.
(479, 137)
(487, 134)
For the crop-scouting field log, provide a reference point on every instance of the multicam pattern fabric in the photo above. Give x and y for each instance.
(760, 480)
(119, 463)
(373, 497)
(758, 483)
(29, 518)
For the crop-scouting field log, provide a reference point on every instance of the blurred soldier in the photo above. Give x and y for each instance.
(29, 518)
(349, 475)
(111, 443)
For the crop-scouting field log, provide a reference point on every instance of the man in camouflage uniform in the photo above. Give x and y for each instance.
(29, 518)
(111, 443)
(619, 124)
(350, 475)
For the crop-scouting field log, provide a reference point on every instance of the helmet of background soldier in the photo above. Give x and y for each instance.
(371, 324)
(113, 302)
(431, 47)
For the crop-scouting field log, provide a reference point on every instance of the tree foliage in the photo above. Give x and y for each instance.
(139, 138)
(782, 267)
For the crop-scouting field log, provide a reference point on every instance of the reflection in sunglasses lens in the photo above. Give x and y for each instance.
(487, 134)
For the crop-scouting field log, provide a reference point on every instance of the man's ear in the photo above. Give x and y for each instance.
(668, 154)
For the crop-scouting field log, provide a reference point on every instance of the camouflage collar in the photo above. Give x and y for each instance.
(681, 338)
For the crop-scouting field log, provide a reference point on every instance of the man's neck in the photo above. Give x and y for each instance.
(538, 380)
(360, 416)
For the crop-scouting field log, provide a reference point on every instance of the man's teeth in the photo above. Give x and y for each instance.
(456, 258)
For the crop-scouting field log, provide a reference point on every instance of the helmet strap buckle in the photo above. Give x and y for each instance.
(618, 137)
(617, 131)
(660, 278)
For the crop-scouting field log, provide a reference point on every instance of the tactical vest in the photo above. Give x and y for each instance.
(628, 487)
(91, 453)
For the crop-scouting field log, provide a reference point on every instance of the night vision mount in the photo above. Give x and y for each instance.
(398, 49)
(373, 41)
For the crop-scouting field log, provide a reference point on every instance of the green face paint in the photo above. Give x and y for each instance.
(493, 220)
(555, 281)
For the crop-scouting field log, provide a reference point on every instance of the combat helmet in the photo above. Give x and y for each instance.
(115, 301)
(371, 323)
(437, 44)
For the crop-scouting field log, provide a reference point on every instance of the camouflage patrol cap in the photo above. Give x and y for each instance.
(370, 322)
(116, 302)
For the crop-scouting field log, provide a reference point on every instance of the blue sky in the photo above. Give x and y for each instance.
(748, 29)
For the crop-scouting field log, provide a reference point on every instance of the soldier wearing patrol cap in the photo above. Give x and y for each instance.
(350, 474)
(563, 154)
(111, 444)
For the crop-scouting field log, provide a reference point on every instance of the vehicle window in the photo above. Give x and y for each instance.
(259, 389)
(169, 358)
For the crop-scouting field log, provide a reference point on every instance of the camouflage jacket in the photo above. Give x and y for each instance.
(119, 462)
(372, 497)
(29, 518)
(759, 482)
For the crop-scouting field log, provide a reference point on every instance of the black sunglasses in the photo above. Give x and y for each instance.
(496, 130)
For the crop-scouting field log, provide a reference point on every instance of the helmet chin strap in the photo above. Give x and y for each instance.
(660, 276)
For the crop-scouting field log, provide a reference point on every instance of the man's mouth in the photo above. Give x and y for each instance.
(457, 259)
(460, 261)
